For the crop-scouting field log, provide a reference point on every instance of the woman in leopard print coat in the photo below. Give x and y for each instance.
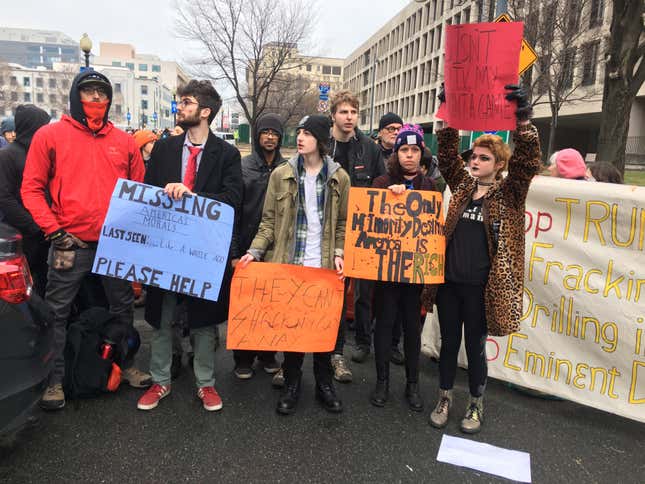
(484, 267)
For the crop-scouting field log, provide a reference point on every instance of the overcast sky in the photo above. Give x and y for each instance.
(343, 25)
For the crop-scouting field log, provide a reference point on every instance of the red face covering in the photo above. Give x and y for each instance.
(94, 113)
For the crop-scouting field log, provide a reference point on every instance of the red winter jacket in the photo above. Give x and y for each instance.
(79, 169)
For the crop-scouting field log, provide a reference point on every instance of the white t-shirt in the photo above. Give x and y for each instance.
(313, 256)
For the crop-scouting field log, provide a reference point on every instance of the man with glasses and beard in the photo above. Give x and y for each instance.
(197, 162)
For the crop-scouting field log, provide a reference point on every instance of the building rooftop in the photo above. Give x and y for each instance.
(35, 35)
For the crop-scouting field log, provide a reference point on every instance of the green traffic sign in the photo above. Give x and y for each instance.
(505, 135)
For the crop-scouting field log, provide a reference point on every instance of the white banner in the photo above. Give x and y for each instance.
(582, 331)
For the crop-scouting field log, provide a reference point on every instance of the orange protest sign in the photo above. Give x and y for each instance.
(396, 238)
(284, 307)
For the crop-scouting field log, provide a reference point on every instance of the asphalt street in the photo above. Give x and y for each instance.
(108, 440)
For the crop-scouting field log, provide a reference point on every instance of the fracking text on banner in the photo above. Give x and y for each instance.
(396, 238)
(582, 333)
(284, 307)
(181, 246)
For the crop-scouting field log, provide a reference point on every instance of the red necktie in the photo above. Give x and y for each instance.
(191, 169)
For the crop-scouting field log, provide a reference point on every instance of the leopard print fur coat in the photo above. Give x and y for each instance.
(503, 211)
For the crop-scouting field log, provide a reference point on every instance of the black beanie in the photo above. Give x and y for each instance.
(269, 121)
(318, 125)
(387, 119)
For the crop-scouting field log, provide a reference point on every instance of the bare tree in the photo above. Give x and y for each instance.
(247, 44)
(559, 76)
(624, 76)
(292, 97)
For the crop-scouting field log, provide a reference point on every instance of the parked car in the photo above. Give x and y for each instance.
(26, 338)
(228, 137)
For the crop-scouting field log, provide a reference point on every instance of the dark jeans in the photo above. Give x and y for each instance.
(245, 358)
(292, 367)
(62, 288)
(340, 338)
(36, 250)
(393, 300)
(363, 318)
(457, 304)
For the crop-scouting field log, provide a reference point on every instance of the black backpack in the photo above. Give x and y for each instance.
(86, 371)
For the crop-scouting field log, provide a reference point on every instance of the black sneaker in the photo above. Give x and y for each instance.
(243, 372)
(271, 366)
(360, 354)
(396, 356)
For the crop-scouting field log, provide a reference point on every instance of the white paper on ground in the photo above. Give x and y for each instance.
(511, 464)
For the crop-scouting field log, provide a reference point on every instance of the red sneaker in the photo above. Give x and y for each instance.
(210, 398)
(151, 398)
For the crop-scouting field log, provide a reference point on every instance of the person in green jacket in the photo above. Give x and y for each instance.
(303, 223)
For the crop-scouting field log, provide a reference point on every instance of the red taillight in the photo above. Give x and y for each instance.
(15, 280)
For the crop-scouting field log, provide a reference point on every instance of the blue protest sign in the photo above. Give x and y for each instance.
(181, 246)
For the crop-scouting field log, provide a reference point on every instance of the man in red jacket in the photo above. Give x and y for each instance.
(78, 161)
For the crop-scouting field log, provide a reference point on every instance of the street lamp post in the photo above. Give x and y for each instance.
(86, 47)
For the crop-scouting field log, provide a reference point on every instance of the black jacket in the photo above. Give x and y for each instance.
(255, 177)
(365, 160)
(28, 119)
(219, 177)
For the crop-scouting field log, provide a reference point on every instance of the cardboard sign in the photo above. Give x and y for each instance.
(397, 238)
(284, 307)
(181, 246)
(480, 60)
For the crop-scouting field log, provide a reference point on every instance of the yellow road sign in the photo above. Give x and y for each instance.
(527, 54)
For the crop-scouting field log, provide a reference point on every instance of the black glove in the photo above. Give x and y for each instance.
(442, 93)
(524, 109)
(65, 241)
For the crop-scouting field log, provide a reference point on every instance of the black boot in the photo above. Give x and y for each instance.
(380, 393)
(413, 396)
(326, 395)
(289, 399)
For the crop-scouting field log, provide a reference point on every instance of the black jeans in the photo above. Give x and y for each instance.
(292, 367)
(363, 316)
(62, 288)
(340, 338)
(245, 358)
(457, 304)
(394, 300)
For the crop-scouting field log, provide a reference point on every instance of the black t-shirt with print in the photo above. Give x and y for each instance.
(467, 260)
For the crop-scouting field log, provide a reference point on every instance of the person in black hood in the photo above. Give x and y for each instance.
(256, 169)
(93, 107)
(28, 119)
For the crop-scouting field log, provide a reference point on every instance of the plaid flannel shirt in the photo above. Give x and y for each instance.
(301, 215)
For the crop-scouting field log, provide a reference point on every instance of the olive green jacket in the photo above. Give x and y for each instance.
(276, 237)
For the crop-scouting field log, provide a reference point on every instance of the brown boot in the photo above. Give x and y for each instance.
(472, 421)
(53, 398)
(439, 416)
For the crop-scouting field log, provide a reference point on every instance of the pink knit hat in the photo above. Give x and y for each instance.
(570, 164)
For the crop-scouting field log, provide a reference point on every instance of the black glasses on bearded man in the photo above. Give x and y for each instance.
(186, 102)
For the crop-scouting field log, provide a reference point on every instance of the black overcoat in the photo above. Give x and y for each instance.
(219, 177)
